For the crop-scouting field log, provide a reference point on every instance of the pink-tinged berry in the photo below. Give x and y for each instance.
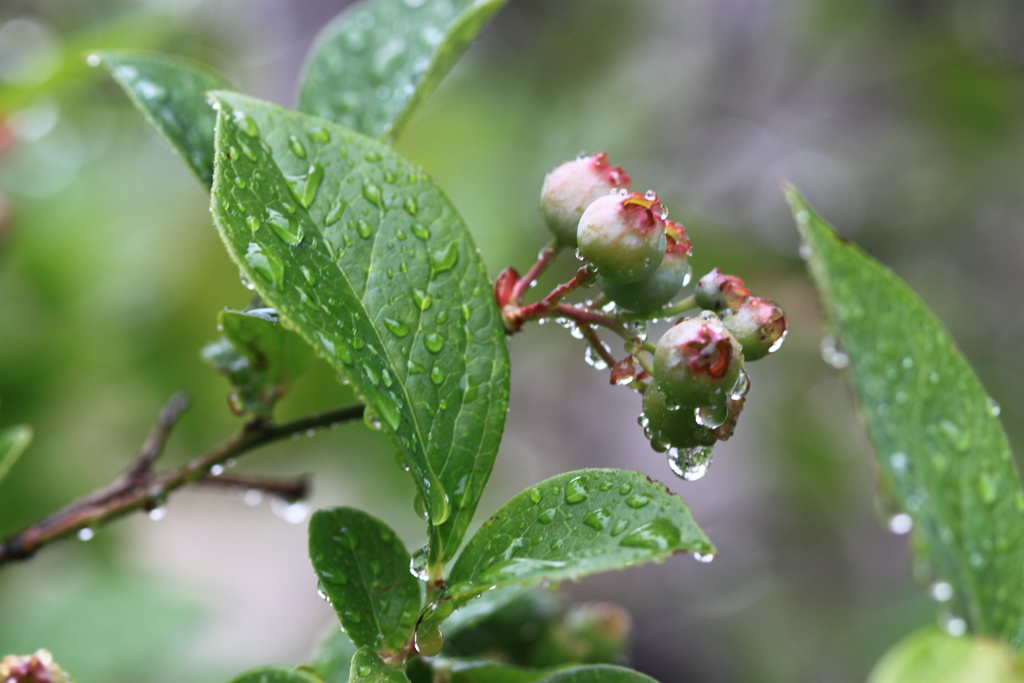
(35, 668)
(623, 236)
(759, 326)
(717, 291)
(569, 190)
(697, 362)
(654, 292)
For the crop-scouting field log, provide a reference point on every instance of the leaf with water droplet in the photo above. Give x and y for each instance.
(349, 543)
(582, 527)
(400, 49)
(275, 674)
(332, 656)
(373, 329)
(259, 357)
(183, 117)
(955, 475)
(13, 441)
(367, 667)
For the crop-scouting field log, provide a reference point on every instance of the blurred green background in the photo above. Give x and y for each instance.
(901, 120)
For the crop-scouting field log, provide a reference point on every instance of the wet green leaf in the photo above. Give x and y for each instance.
(368, 260)
(942, 452)
(332, 656)
(363, 570)
(931, 656)
(597, 673)
(275, 674)
(575, 524)
(13, 441)
(483, 671)
(368, 668)
(170, 93)
(259, 356)
(376, 62)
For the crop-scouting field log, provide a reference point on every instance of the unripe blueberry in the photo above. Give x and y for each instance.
(716, 291)
(672, 427)
(623, 235)
(759, 326)
(569, 189)
(659, 289)
(697, 362)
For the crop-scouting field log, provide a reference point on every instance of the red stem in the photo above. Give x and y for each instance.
(546, 256)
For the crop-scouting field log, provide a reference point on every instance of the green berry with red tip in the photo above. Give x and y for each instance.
(623, 236)
(670, 426)
(759, 325)
(569, 190)
(654, 292)
(717, 291)
(697, 362)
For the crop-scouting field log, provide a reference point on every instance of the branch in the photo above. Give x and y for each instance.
(145, 491)
(289, 490)
(544, 258)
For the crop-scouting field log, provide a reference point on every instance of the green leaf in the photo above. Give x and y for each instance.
(170, 93)
(483, 671)
(372, 66)
(368, 260)
(259, 356)
(13, 442)
(597, 673)
(332, 657)
(942, 452)
(575, 524)
(931, 656)
(368, 668)
(364, 571)
(275, 674)
(483, 608)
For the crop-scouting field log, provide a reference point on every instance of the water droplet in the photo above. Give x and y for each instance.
(619, 527)
(293, 513)
(364, 229)
(252, 497)
(265, 265)
(444, 259)
(703, 557)
(334, 215)
(253, 223)
(638, 501)
(742, 386)
(429, 641)
(290, 232)
(86, 534)
(658, 534)
(314, 178)
(437, 375)
(625, 489)
(594, 359)
(420, 231)
(373, 194)
(410, 205)
(418, 563)
(899, 461)
(535, 495)
(901, 523)
(954, 626)
(597, 519)
(296, 146)
(831, 354)
(421, 299)
(994, 407)
(433, 341)
(96, 60)
(158, 513)
(576, 490)
(690, 463)
(396, 327)
(547, 516)
(941, 591)
(245, 123)
(711, 417)
(319, 135)
(988, 487)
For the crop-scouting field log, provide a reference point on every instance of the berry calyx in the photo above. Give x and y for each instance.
(660, 288)
(623, 236)
(697, 362)
(717, 291)
(569, 190)
(759, 325)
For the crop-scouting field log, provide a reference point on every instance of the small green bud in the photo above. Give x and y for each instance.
(759, 326)
(672, 426)
(659, 289)
(623, 236)
(716, 291)
(697, 362)
(569, 190)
